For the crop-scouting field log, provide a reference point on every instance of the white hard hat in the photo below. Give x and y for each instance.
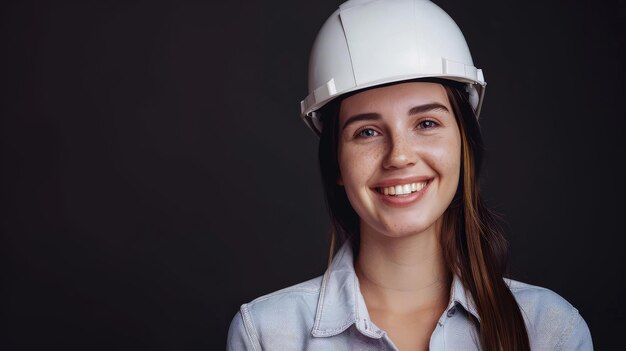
(366, 43)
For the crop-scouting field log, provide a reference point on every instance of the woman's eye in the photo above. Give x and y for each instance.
(427, 124)
(367, 132)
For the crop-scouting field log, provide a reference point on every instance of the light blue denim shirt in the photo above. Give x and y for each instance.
(329, 313)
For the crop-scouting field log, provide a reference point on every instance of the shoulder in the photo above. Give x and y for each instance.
(286, 314)
(285, 302)
(552, 322)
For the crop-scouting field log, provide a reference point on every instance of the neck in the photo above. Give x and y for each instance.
(402, 274)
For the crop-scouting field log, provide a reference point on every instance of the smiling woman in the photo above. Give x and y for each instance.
(420, 259)
(414, 142)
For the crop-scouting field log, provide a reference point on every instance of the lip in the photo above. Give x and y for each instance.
(406, 200)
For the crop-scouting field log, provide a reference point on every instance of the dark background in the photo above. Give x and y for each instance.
(156, 175)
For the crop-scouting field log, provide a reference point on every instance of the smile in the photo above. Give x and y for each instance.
(402, 189)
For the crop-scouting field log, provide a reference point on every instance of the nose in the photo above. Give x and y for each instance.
(401, 152)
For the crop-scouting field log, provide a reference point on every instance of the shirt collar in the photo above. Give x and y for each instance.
(341, 303)
(458, 295)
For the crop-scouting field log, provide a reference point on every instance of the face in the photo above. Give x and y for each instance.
(399, 152)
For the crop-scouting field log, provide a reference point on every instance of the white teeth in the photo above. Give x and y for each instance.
(403, 189)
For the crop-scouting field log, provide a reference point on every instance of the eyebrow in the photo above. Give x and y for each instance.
(372, 116)
(428, 107)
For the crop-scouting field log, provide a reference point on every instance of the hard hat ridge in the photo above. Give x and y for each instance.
(366, 43)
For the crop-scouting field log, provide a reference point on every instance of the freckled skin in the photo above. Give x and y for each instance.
(399, 145)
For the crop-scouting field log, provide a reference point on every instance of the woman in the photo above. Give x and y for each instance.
(395, 98)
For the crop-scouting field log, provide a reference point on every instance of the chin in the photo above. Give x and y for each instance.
(406, 229)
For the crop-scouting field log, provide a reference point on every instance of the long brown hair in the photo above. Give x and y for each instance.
(473, 245)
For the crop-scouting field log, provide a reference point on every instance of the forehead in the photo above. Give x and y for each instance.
(400, 96)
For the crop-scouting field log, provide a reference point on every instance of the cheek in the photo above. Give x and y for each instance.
(357, 165)
(445, 156)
